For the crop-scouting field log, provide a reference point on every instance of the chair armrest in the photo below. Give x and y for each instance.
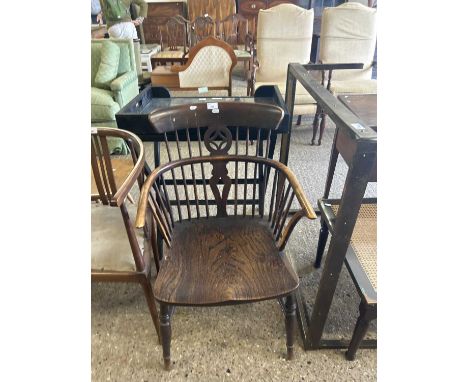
(123, 81)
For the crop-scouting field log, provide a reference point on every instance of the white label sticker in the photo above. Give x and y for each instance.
(215, 111)
(204, 89)
(193, 108)
(358, 126)
(212, 105)
(216, 98)
(202, 99)
(93, 130)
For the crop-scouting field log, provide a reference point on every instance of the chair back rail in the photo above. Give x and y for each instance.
(201, 28)
(225, 193)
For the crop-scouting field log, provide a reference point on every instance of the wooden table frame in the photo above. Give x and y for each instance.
(359, 149)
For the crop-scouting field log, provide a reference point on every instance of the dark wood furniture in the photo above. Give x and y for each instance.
(118, 252)
(356, 142)
(225, 247)
(217, 9)
(158, 15)
(364, 106)
(250, 8)
(234, 29)
(200, 28)
(175, 46)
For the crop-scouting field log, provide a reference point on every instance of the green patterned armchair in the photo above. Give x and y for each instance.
(114, 80)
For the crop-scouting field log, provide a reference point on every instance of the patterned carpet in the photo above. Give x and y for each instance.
(244, 342)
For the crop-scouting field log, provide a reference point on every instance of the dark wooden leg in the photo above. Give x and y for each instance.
(366, 315)
(299, 119)
(290, 318)
(150, 300)
(321, 244)
(322, 127)
(165, 322)
(315, 125)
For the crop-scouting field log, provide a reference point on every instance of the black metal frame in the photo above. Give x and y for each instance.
(357, 143)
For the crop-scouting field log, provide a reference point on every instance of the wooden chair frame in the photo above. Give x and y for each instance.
(284, 189)
(112, 194)
(177, 27)
(201, 28)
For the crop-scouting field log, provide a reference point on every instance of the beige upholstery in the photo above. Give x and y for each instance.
(170, 54)
(284, 35)
(110, 247)
(210, 67)
(303, 103)
(357, 86)
(348, 35)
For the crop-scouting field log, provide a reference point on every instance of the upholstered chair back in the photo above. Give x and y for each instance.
(126, 58)
(348, 35)
(284, 35)
(211, 67)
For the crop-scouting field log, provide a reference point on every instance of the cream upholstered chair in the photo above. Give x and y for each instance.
(284, 35)
(210, 64)
(348, 35)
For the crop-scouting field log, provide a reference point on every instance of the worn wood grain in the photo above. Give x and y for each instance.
(223, 260)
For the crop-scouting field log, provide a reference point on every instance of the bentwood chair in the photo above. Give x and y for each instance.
(223, 242)
(348, 35)
(119, 252)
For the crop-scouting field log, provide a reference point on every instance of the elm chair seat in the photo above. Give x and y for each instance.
(243, 261)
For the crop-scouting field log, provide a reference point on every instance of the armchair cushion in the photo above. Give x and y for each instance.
(110, 247)
(103, 106)
(303, 104)
(356, 86)
(109, 65)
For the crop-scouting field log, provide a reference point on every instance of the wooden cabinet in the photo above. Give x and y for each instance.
(250, 8)
(158, 14)
(217, 9)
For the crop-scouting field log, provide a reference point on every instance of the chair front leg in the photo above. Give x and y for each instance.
(290, 319)
(165, 323)
(315, 124)
(322, 126)
(150, 300)
(321, 244)
(367, 314)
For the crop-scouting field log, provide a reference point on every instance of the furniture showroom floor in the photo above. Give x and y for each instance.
(243, 342)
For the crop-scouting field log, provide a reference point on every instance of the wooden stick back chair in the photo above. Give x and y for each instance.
(224, 236)
(119, 253)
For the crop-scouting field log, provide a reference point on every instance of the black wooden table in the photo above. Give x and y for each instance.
(356, 142)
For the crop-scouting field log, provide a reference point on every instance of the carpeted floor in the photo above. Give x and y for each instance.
(237, 343)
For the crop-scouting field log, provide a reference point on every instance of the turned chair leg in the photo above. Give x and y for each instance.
(315, 125)
(165, 322)
(321, 244)
(290, 319)
(299, 120)
(322, 127)
(366, 315)
(151, 301)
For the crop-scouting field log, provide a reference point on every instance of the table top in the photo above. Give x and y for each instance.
(364, 106)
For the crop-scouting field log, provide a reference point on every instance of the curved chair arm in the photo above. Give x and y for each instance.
(99, 134)
(281, 196)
